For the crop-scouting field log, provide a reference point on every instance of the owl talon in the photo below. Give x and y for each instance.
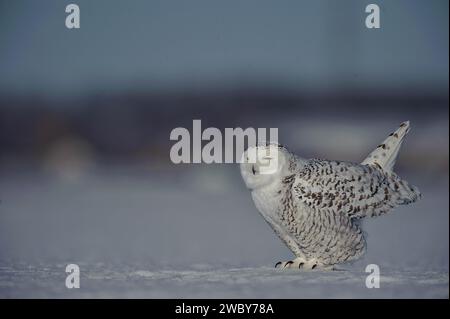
(284, 264)
(300, 263)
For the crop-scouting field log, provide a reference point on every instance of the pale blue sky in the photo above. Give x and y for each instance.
(145, 45)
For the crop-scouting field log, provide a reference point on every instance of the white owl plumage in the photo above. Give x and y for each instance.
(315, 206)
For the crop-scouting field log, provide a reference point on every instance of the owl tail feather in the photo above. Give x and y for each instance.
(386, 153)
(385, 156)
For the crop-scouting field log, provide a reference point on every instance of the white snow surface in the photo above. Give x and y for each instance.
(197, 234)
(205, 281)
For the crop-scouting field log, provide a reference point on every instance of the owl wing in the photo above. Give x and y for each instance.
(354, 190)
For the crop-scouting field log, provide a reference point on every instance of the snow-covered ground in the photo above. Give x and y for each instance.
(196, 233)
(103, 280)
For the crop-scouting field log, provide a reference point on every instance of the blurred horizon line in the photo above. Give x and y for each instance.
(348, 96)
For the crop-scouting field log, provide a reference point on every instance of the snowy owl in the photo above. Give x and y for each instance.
(315, 206)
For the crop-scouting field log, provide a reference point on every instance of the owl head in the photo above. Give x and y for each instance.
(263, 164)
